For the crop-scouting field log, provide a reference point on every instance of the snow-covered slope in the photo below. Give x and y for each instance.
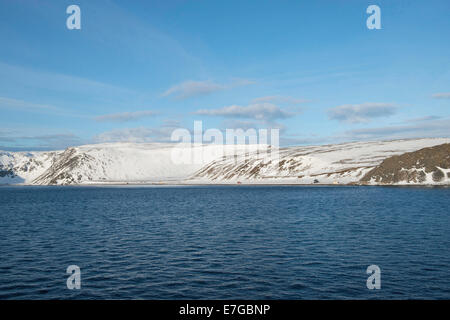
(328, 164)
(24, 167)
(161, 163)
(111, 163)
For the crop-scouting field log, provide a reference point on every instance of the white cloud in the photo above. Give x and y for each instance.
(192, 88)
(359, 113)
(125, 116)
(53, 141)
(425, 118)
(279, 100)
(442, 95)
(125, 135)
(140, 134)
(257, 111)
(419, 129)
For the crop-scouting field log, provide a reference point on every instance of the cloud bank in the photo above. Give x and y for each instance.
(360, 113)
(189, 89)
(279, 100)
(257, 111)
(442, 95)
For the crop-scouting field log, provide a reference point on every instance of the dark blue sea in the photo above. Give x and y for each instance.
(224, 242)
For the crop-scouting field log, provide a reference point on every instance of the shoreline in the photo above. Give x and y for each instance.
(225, 184)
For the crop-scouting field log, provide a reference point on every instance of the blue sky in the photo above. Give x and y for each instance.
(139, 69)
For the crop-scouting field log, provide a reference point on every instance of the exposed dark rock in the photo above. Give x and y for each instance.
(7, 172)
(62, 168)
(438, 175)
(412, 167)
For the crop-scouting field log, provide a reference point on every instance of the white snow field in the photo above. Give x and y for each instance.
(112, 163)
(156, 163)
(327, 164)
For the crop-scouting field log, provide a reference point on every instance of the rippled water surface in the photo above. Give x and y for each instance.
(224, 242)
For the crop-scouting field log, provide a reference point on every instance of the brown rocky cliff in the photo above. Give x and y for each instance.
(412, 167)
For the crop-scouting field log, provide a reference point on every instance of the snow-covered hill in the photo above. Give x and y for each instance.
(425, 166)
(327, 164)
(161, 163)
(110, 163)
(24, 167)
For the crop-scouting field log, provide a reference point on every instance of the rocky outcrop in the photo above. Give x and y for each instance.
(425, 166)
(6, 172)
(61, 170)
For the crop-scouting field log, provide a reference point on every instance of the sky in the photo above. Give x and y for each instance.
(138, 70)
